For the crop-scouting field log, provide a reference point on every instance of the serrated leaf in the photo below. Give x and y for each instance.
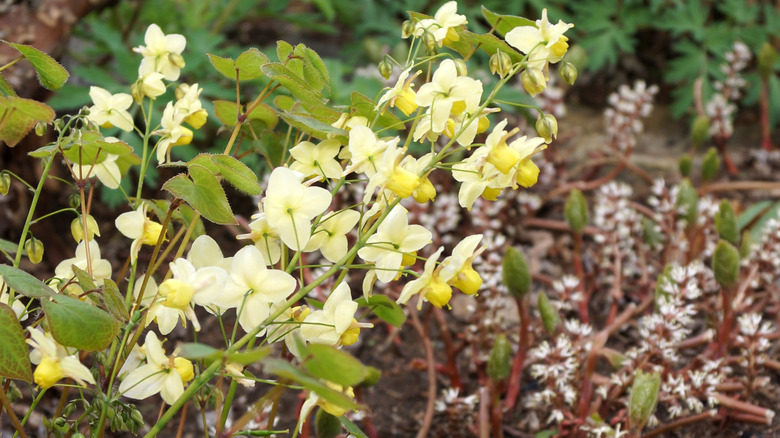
(24, 283)
(50, 73)
(74, 323)
(204, 194)
(14, 357)
(335, 366)
(226, 111)
(314, 61)
(264, 114)
(364, 106)
(491, 44)
(505, 23)
(113, 301)
(385, 308)
(235, 172)
(250, 64)
(311, 126)
(5, 88)
(292, 82)
(87, 284)
(226, 66)
(283, 50)
(18, 116)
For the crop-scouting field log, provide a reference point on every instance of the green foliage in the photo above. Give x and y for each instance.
(18, 117)
(386, 309)
(77, 324)
(516, 275)
(14, 358)
(50, 73)
(500, 360)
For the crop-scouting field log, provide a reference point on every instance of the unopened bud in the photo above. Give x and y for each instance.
(767, 57)
(533, 81)
(746, 247)
(77, 228)
(137, 93)
(429, 41)
(576, 211)
(136, 416)
(725, 264)
(547, 127)
(500, 360)
(643, 399)
(549, 313)
(69, 409)
(651, 232)
(407, 29)
(34, 248)
(700, 130)
(5, 183)
(615, 358)
(685, 165)
(688, 201)
(726, 223)
(711, 165)
(40, 129)
(515, 273)
(461, 67)
(568, 72)
(385, 68)
(500, 64)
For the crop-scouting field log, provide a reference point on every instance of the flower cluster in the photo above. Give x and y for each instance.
(623, 118)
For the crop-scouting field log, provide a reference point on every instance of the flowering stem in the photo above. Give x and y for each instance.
(431, 366)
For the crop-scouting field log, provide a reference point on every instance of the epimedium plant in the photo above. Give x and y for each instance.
(85, 322)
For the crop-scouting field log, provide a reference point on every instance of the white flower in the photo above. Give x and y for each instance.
(110, 109)
(101, 269)
(333, 325)
(163, 374)
(190, 286)
(544, 43)
(17, 307)
(290, 206)
(330, 237)
(106, 171)
(135, 225)
(319, 160)
(55, 361)
(265, 237)
(172, 133)
(162, 53)
(446, 88)
(440, 26)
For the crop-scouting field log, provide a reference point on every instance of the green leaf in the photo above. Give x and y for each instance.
(235, 172)
(24, 283)
(77, 324)
(491, 44)
(352, 428)
(751, 213)
(5, 88)
(226, 111)
(251, 356)
(113, 301)
(364, 106)
(14, 357)
(195, 351)
(505, 23)
(226, 66)
(7, 246)
(311, 126)
(50, 73)
(204, 194)
(284, 369)
(385, 308)
(18, 116)
(334, 365)
(250, 64)
(294, 83)
(326, 424)
(757, 230)
(86, 284)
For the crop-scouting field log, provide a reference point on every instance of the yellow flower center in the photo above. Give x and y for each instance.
(406, 101)
(425, 192)
(152, 232)
(350, 335)
(197, 119)
(402, 182)
(527, 173)
(438, 292)
(409, 259)
(467, 280)
(184, 368)
(48, 372)
(490, 193)
(559, 48)
(458, 107)
(483, 124)
(503, 158)
(185, 137)
(177, 293)
(452, 35)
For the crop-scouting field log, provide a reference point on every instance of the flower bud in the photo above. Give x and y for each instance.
(725, 264)
(576, 211)
(568, 72)
(685, 164)
(700, 130)
(767, 57)
(74, 201)
(136, 416)
(547, 127)
(643, 399)
(500, 64)
(651, 232)
(747, 244)
(615, 358)
(34, 249)
(688, 201)
(407, 29)
(726, 223)
(549, 314)
(533, 81)
(5, 183)
(429, 41)
(77, 228)
(515, 273)
(184, 368)
(711, 165)
(461, 67)
(40, 129)
(69, 409)
(385, 68)
(500, 362)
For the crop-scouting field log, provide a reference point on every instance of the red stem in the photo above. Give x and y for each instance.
(513, 389)
(766, 141)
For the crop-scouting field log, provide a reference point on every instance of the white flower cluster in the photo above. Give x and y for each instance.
(766, 255)
(556, 368)
(623, 118)
(686, 392)
(719, 108)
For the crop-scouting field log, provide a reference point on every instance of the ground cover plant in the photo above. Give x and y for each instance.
(432, 259)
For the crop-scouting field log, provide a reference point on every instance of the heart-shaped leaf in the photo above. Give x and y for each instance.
(77, 324)
(14, 357)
